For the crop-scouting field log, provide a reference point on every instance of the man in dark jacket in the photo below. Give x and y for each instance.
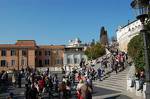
(33, 93)
(19, 79)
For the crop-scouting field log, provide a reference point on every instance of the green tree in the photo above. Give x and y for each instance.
(103, 36)
(95, 51)
(136, 47)
(136, 51)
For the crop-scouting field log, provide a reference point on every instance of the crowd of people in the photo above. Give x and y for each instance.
(113, 62)
(60, 85)
(79, 80)
(63, 84)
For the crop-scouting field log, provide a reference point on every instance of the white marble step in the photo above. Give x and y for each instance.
(112, 87)
(113, 84)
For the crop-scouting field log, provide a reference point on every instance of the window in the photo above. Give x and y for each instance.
(58, 61)
(46, 61)
(3, 62)
(68, 60)
(12, 62)
(47, 53)
(40, 63)
(40, 53)
(3, 52)
(36, 53)
(22, 62)
(75, 60)
(13, 52)
(58, 52)
(24, 52)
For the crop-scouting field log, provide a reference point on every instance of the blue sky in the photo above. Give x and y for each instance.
(57, 21)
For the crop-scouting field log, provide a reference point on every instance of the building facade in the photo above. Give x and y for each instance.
(73, 54)
(26, 53)
(126, 33)
(49, 56)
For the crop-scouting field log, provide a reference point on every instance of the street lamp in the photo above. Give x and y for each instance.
(142, 9)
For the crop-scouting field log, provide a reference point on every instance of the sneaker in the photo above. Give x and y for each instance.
(138, 89)
(131, 86)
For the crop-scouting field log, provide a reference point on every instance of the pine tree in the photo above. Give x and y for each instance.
(103, 36)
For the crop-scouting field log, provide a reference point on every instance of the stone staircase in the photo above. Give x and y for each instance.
(115, 82)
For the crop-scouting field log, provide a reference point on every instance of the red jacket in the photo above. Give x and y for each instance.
(41, 84)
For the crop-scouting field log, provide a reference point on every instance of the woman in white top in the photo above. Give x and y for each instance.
(13, 79)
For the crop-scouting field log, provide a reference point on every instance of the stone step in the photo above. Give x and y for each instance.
(111, 80)
(120, 89)
(111, 87)
(116, 78)
(119, 73)
(107, 96)
(117, 88)
(114, 81)
(122, 72)
(112, 84)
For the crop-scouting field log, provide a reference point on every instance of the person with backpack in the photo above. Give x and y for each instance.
(86, 91)
(99, 74)
(90, 83)
(33, 93)
(79, 85)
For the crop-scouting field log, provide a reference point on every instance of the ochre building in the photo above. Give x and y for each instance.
(26, 53)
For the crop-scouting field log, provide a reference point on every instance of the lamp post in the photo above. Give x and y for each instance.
(142, 8)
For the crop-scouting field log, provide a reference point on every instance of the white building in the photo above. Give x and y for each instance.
(127, 32)
(73, 54)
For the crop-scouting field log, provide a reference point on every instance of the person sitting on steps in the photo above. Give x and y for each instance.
(135, 77)
(141, 80)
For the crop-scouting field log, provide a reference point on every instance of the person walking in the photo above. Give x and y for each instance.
(27, 91)
(99, 74)
(116, 65)
(19, 79)
(62, 91)
(13, 79)
(86, 91)
(80, 84)
(56, 82)
(33, 93)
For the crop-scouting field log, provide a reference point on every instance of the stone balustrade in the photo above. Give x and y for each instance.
(133, 90)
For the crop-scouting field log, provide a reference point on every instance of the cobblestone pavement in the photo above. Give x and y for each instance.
(98, 93)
